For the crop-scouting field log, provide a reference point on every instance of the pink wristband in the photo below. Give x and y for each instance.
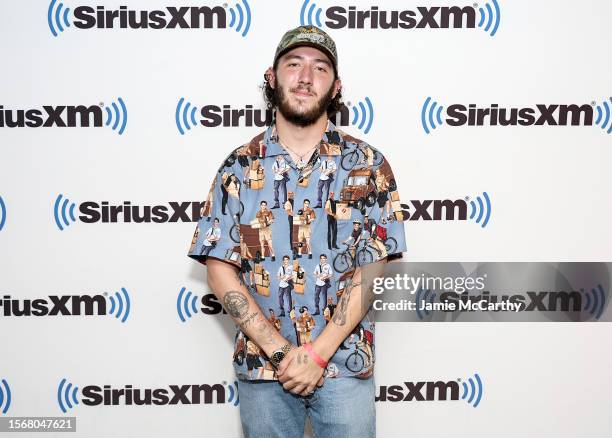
(313, 354)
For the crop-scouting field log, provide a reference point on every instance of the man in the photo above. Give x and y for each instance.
(245, 264)
(252, 359)
(304, 89)
(305, 324)
(328, 313)
(382, 188)
(363, 341)
(285, 284)
(322, 273)
(375, 232)
(307, 216)
(327, 169)
(280, 169)
(274, 320)
(265, 218)
(332, 222)
(289, 210)
(354, 237)
(213, 234)
(228, 180)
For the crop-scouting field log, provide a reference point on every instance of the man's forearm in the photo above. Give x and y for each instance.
(350, 310)
(240, 305)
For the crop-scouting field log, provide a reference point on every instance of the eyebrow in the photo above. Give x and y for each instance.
(324, 61)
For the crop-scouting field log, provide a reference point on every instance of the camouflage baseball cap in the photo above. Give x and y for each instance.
(308, 36)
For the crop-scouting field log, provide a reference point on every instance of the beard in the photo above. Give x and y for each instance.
(301, 118)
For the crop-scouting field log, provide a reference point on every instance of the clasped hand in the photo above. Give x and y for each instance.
(298, 373)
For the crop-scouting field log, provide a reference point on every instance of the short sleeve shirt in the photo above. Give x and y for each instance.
(212, 234)
(283, 274)
(264, 221)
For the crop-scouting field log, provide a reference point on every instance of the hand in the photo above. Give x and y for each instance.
(300, 374)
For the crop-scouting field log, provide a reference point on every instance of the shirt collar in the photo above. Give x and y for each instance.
(331, 142)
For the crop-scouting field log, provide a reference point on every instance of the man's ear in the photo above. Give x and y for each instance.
(337, 86)
(270, 77)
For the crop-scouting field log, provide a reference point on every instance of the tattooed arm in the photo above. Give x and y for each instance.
(224, 282)
(350, 310)
(302, 375)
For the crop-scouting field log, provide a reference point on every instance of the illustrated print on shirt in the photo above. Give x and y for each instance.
(331, 211)
(230, 187)
(298, 235)
(305, 325)
(323, 274)
(285, 285)
(274, 320)
(327, 169)
(288, 207)
(280, 169)
(305, 217)
(263, 221)
(213, 234)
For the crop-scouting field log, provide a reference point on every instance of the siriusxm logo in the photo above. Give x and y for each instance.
(60, 18)
(187, 116)
(187, 304)
(452, 390)
(117, 305)
(486, 18)
(94, 395)
(538, 115)
(2, 213)
(447, 209)
(92, 212)
(113, 116)
(5, 396)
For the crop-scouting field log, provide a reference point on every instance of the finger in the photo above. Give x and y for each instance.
(321, 381)
(309, 390)
(289, 385)
(287, 376)
(298, 389)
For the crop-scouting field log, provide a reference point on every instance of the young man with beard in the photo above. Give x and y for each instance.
(303, 87)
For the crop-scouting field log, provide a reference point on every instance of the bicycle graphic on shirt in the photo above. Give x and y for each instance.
(355, 361)
(358, 155)
(364, 253)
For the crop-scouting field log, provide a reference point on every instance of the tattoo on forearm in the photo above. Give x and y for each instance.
(265, 329)
(367, 292)
(236, 304)
(340, 314)
(247, 320)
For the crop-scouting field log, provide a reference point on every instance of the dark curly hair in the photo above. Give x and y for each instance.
(268, 94)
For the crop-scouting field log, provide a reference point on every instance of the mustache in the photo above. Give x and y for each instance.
(306, 89)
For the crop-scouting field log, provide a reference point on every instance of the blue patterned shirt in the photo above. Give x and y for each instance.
(308, 220)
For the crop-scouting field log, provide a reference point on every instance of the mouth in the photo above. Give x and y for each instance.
(302, 93)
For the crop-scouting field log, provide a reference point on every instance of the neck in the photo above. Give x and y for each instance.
(301, 139)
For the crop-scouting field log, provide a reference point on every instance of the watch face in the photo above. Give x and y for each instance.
(277, 357)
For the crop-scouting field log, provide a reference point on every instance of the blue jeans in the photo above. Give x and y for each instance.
(342, 408)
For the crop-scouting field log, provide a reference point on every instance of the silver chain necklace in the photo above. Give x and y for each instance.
(301, 164)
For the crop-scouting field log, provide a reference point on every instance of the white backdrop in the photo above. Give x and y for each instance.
(550, 190)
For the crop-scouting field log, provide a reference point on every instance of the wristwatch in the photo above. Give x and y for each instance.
(278, 355)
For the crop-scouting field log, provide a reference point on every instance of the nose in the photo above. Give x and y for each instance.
(305, 75)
